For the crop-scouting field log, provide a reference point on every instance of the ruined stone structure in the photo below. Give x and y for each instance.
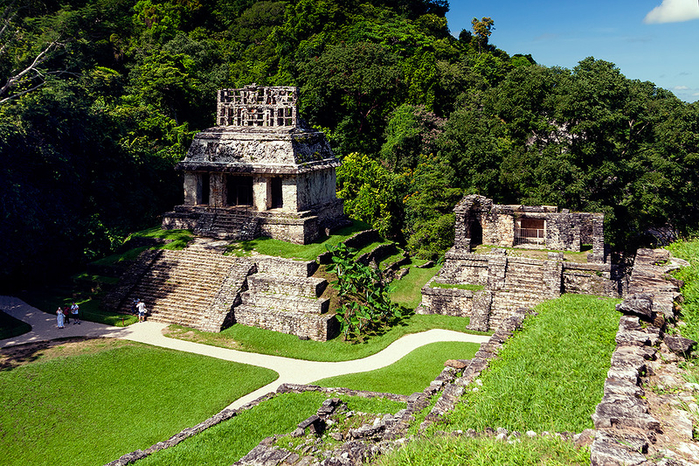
(259, 172)
(509, 281)
(479, 221)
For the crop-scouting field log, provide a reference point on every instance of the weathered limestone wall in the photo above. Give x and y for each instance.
(498, 229)
(316, 189)
(283, 297)
(295, 323)
(513, 282)
(446, 301)
(462, 267)
(589, 279)
(627, 430)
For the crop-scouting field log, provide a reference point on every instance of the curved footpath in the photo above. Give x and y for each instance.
(296, 371)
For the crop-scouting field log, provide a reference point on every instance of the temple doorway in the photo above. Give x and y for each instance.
(476, 232)
(239, 190)
(530, 231)
(276, 191)
(205, 181)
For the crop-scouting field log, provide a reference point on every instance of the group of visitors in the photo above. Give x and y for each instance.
(139, 307)
(63, 315)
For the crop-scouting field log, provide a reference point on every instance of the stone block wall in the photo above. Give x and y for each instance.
(314, 327)
(446, 301)
(283, 297)
(512, 282)
(316, 188)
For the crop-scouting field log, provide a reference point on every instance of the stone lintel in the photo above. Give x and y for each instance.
(258, 169)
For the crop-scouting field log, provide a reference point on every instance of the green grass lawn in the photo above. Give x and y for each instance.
(226, 443)
(406, 291)
(550, 375)
(11, 327)
(257, 340)
(92, 402)
(484, 451)
(275, 247)
(412, 373)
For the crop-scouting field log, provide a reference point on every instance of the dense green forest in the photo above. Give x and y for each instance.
(100, 98)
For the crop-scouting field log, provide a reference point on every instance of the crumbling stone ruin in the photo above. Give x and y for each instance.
(259, 172)
(501, 280)
(479, 221)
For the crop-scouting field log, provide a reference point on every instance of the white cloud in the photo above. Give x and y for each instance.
(681, 88)
(673, 11)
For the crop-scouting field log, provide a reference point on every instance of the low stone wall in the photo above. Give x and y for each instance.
(589, 279)
(513, 281)
(626, 428)
(291, 229)
(446, 301)
(315, 327)
(277, 265)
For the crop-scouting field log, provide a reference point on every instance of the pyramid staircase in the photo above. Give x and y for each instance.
(284, 296)
(524, 287)
(192, 287)
(230, 224)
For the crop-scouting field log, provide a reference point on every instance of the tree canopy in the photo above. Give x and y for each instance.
(100, 98)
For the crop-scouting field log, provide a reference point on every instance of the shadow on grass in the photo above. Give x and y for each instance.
(20, 355)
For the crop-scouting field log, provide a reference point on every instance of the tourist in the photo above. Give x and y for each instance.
(141, 311)
(59, 317)
(74, 313)
(133, 306)
(66, 315)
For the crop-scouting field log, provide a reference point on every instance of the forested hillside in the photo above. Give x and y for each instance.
(100, 98)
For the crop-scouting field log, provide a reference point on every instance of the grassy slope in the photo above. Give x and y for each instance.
(549, 376)
(114, 398)
(412, 373)
(447, 451)
(274, 247)
(227, 442)
(689, 251)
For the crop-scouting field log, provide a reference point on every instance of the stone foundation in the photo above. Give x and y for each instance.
(511, 282)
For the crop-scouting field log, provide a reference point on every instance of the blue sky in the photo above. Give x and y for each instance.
(650, 40)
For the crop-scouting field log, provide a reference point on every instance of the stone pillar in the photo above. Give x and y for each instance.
(553, 276)
(289, 194)
(480, 311)
(598, 252)
(497, 268)
(261, 193)
(217, 190)
(192, 188)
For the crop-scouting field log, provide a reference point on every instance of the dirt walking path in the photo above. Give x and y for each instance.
(296, 371)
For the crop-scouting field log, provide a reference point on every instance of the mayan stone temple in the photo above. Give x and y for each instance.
(259, 172)
(533, 253)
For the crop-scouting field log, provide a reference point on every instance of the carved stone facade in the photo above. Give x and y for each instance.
(479, 221)
(260, 172)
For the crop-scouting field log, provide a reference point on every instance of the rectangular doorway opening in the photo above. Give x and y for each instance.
(239, 190)
(276, 191)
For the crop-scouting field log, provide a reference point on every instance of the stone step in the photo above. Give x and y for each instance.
(284, 302)
(315, 327)
(310, 287)
(280, 266)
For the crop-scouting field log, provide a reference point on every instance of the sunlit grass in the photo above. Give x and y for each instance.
(412, 373)
(113, 398)
(226, 443)
(550, 375)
